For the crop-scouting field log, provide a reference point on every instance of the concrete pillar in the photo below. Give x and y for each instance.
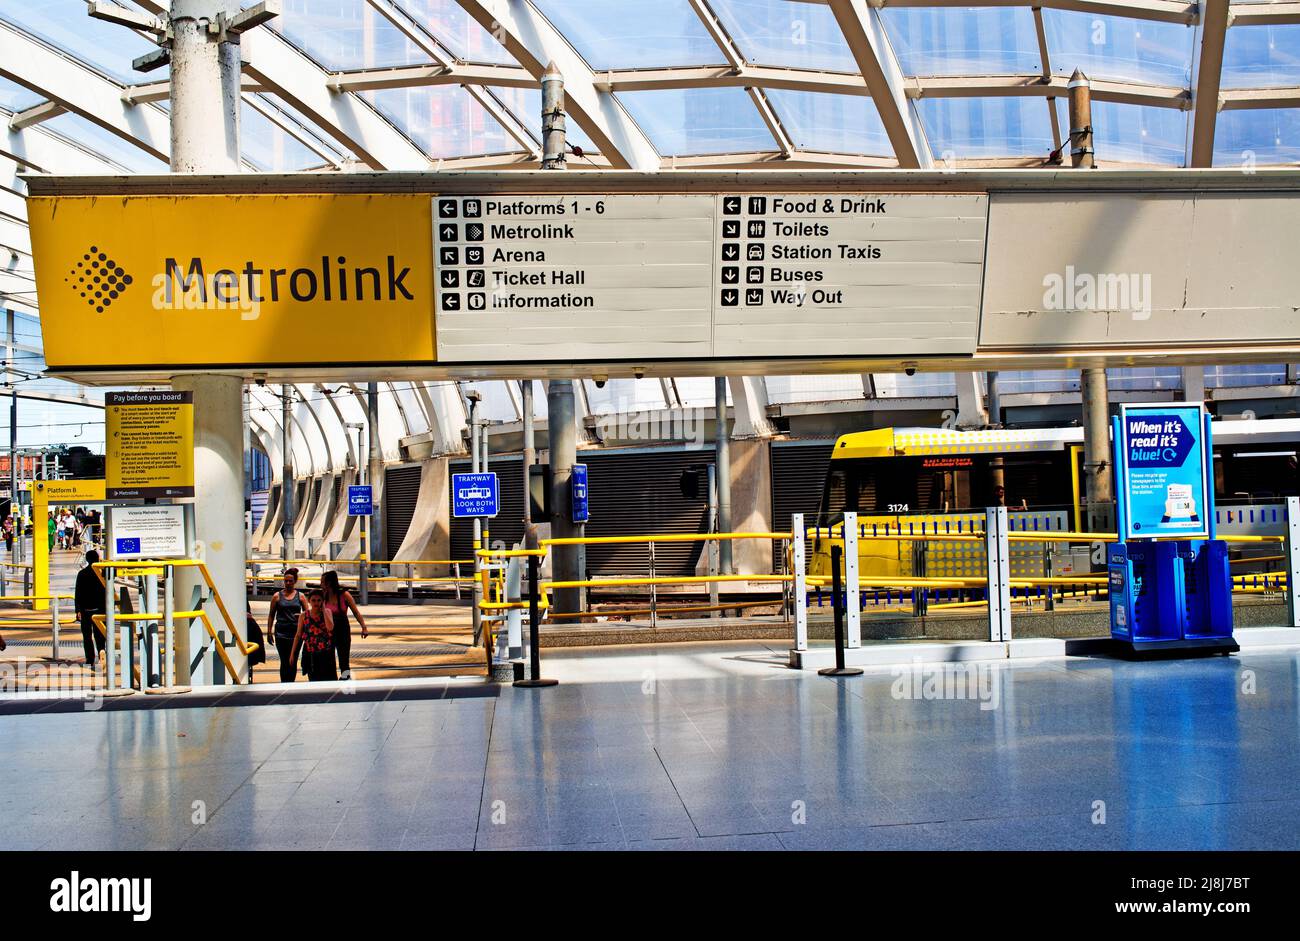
(204, 90)
(563, 432)
(219, 518)
(1193, 383)
(205, 105)
(751, 503)
(1099, 488)
(970, 407)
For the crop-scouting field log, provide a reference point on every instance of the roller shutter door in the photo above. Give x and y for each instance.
(508, 527)
(638, 491)
(798, 475)
(401, 490)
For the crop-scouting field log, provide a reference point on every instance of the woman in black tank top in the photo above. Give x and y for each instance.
(282, 622)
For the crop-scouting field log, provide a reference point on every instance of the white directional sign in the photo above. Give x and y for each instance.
(573, 276)
(813, 272)
(736, 275)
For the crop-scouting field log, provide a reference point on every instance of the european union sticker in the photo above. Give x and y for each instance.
(127, 546)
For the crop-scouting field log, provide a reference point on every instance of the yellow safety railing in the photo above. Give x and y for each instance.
(245, 647)
(651, 581)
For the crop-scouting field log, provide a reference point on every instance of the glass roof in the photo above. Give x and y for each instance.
(795, 35)
(963, 41)
(633, 35)
(965, 72)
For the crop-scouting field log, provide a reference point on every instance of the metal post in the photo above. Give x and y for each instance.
(10, 316)
(853, 637)
(287, 483)
(722, 459)
(149, 674)
(837, 608)
(248, 485)
(54, 626)
(476, 589)
(534, 678)
(654, 595)
(1292, 560)
(798, 566)
(110, 626)
(712, 544)
(1080, 91)
(169, 632)
(998, 555)
(530, 447)
(378, 549)
(553, 130)
(410, 582)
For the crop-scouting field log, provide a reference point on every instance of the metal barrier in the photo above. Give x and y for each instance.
(159, 674)
(410, 580)
(55, 621)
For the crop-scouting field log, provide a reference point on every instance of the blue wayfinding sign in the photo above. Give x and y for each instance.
(1163, 471)
(475, 495)
(578, 494)
(359, 500)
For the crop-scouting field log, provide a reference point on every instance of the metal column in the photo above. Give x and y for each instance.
(798, 564)
(852, 599)
(998, 553)
(288, 487)
(378, 549)
(476, 591)
(722, 458)
(1292, 560)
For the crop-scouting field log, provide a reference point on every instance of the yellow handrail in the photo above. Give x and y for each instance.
(660, 537)
(244, 647)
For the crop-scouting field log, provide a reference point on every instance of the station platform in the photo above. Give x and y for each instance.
(695, 746)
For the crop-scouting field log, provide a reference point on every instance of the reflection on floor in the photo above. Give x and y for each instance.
(692, 747)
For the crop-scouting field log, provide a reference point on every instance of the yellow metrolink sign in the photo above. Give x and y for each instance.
(234, 281)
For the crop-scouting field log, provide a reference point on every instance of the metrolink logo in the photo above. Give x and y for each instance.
(98, 279)
(188, 285)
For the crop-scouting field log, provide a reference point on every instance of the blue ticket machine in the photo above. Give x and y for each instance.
(1170, 584)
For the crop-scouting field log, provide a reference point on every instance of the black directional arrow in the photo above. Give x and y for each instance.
(730, 275)
(731, 205)
(730, 251)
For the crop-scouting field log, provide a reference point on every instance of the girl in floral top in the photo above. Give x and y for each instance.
(315, 633)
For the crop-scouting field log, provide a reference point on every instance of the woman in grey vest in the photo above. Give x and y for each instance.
(282, 622)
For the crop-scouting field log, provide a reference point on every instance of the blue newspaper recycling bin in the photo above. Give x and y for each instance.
(1171, 597)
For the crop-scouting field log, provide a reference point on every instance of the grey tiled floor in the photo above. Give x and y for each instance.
(709, 746)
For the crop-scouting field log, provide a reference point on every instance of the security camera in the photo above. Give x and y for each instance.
(261, 380)
(639, 372)
(600, 381)
(909, 369)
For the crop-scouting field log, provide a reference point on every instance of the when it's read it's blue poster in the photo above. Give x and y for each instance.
(1163, 475)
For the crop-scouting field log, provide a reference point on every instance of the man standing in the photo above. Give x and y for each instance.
(90, 597)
